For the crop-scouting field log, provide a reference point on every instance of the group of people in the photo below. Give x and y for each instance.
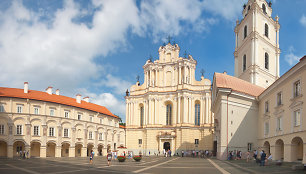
(196, 153)
(261, 158)
(167, 153)
(23, 154)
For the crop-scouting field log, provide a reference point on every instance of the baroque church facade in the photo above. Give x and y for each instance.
(171, 109)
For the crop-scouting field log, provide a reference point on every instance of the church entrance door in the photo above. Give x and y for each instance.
(166, 146)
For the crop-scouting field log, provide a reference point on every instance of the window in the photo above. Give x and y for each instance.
(197, 115)
(66, 114)
(196, 141)
(264, 9)
(266, 30)
(101, 136)
(19, 108)
(79, 116)
(297, 89)
(1, 129)
(266, 128)
(36, 110)
(297, 117)
(168, 114)
(19, 130)
(244, 63)
(51, 131)
(279, 123)
(66, 132)
(245, 31)
(249, 146)
(266, 60)
(266, 106)
(141, 116)
(1, 108)
(52, 112)
(36, 130)
(279, 98)
(139, 141)
(90, 135)
(10, 130)
(101, 120)
(91, 118)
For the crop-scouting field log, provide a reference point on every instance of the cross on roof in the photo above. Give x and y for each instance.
(137, 78)
(202, 72)
(169, 39)
(185, 54)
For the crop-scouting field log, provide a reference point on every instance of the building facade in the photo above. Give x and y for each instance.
(171, 109)
(51, 125)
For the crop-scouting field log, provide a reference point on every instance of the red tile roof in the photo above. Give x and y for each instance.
(43, 96)
(236, 84)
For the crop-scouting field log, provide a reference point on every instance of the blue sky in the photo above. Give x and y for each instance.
(97, 48)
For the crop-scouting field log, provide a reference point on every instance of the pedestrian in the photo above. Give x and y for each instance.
(149, 153)
(109, 157)
(263, 158)
(164, 152)
(27, 154)
(255, 155)
(20, 154)
(182, 153)
(247, 156)
(91, 156)
(269, 159)
(24, 154)
(169, 153)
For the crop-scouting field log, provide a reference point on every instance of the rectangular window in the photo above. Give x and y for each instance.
(52, 112)
(66, 133)
(297, 117)
(79, 116)
(249, 146)
(36, 130)
(91, 118)
(266, 107)
(36, 110)
(90, 135)
(297, 89)
(19, 108)
(139, 141)
(279, 123)
(196, 141)
(279, 98)
(51, 131)
(19, 130)
(101, 120)
(1, 129)
(100, 136)
(1, 108)
(266, 128)
(66, 114)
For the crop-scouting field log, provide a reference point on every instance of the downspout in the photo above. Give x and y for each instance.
(227, 124)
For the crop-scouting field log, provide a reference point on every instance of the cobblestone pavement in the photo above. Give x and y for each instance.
(148, 165)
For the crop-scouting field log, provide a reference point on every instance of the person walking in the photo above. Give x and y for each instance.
(263, 158)
(247, 156)
(27, 154)
(255, 155)
(91, 156)
(182, 153)
(109, 157)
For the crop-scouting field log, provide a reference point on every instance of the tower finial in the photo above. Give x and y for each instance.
(202, 72)
(169, 39)
(137, 78)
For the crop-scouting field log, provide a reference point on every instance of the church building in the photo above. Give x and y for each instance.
(171, 110)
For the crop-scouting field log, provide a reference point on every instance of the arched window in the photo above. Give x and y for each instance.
(264, 8)
(141, 116)
(266, 60)
(244, 63)
(249, 7)
(197, 114)
(168, 114)
(266, 30)
(245, 31)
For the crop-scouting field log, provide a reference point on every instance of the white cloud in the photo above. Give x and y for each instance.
(303, 20)
(228, 9)
(118, 85)
(291, 58)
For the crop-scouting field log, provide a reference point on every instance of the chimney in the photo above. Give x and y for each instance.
(57, 92)
(86, 99)
(49, 90)
(26, 87)
(78, 98)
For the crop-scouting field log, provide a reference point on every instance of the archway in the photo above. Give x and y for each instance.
(297, 149)
(279, 149)
(89, 149)
(50, 151)
(78, 150)
(100, 147)
(18, 147)
(65, 150)
(266, 147)
(35, 149)
(166, 146)
(3, 149)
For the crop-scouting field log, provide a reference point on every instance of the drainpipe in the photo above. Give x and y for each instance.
(227, 123)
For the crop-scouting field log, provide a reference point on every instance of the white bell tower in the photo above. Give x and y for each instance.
(257, 44)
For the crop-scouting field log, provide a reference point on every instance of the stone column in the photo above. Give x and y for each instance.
(127, 112)
(185, 110)
(10, 151)
(287, 153)
(179, 110)
(148, 110)
(58, 151)
(144, 113)
(84, 152)
(155, 120)
(189, 111)
(104, 151)
(180, 75)
(304, 155)
(43, 151)
(206, 109)
(72, 150)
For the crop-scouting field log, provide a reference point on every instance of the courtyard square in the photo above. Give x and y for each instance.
(152, 165)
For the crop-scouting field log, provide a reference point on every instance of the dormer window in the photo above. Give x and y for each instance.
(264, 8)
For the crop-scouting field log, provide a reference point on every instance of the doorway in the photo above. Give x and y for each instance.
(166, 146)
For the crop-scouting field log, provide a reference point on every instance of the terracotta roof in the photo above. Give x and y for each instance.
(236, 84)
(121, 126)
(43, 96)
